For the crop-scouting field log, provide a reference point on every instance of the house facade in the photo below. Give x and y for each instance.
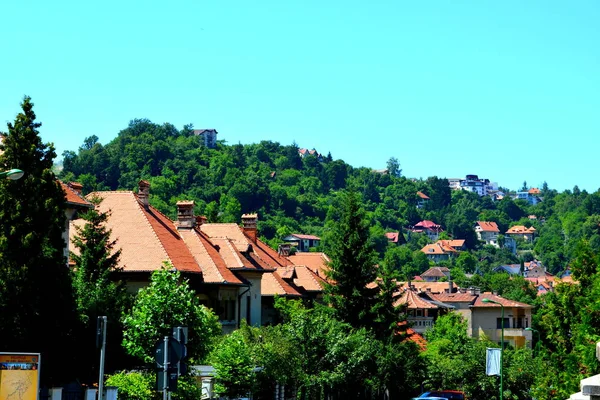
(487, 231)
(484, 318)
(521, 232)
(302, 242)
(435, 274)
(207, 136)
(430, 228)
(226, 264)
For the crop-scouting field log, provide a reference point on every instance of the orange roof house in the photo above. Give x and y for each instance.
(522, 232)
(226, 264)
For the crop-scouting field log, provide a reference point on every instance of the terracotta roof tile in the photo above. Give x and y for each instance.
(520, 229)
(488, 226)
(214, 269)
(73, 198)
(438, 248)
(435, 287)
(422, 195)
(317, 262)
(227, 231)
(411, 300)
(272, 284)
(307, 237)
(308, 280)
(505, 302)
(456, 297)
(436, 272)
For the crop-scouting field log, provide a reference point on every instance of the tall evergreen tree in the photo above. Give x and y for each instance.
(37, 311)
(96, 289)
(352, 265)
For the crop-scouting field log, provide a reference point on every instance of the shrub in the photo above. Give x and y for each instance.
(133, 385)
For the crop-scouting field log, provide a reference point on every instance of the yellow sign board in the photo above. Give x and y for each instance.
(19, 376)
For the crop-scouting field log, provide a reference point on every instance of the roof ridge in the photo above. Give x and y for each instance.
(203, 250)
(233, 251)
(141, 209)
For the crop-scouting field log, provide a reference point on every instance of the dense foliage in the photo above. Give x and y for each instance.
(37, 309)
(165, 303)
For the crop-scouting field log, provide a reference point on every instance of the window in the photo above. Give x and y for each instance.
(226, 310)
(499, 323)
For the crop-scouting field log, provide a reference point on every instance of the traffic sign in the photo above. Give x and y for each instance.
(175, 352)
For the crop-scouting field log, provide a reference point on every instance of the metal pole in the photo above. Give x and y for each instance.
(502, 356)
(102, 356)
(166, 369)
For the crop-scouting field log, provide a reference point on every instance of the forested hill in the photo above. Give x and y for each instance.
(298, 195)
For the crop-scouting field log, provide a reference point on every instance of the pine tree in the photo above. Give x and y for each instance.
(97, 292)
(352, 267)
(37, 311)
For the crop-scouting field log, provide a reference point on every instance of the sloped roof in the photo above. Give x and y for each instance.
(411, 300)
(426, 224)
(452, 243)
(422, 195)
(308, 279)
(534, 191)
(146, 237)
(437, 248)
(317, 262)
(520, 229)
(505, 302)
(307, 237)
(456, 297)
(227, 231)
(73, 197)
(488, 226)
(436, 272)
(214, 268)
(272, 284)
(435, 287)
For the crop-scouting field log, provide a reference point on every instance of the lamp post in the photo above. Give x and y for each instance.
(538, 341)
(13, 174)
(501, 345)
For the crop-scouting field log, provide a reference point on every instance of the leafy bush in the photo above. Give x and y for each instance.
(133, 385)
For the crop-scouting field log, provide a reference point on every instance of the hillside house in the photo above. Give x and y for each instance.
(486, 318)
(438, 251)
(487, 231)
(430, 228)
(76, 206)
(306, 152)
(421, 312)
(423, 199)
(207, 136)
(302, 242)
(396, 238)
(521, 232)
(435, 274)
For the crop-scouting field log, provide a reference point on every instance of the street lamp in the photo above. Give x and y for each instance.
(13, 174)
(538, 341)
(501, 344)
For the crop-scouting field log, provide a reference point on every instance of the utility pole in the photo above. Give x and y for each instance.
(101, 341)
(166, 370)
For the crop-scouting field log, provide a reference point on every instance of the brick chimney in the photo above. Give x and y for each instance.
(185, 215)
(77, 187)
(201, 220)
(249, 222)
(143, 192)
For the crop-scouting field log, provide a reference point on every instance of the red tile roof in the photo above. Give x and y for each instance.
(436, 272)
(505, 302)
(73, 197)
(411, 300)
(317, 262)
(488, 226)
(534, 191)
(307, 237)
(422, 195)
(520, 229)
(435, 287)
(272, 284)
(437, 249)
(454, 243)
(456, 297)
(426, 224)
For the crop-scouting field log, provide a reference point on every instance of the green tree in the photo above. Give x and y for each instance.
(97, 289)
(37, 310)
(352, 265)
(393, 167)
(167, 302)
(234, 366)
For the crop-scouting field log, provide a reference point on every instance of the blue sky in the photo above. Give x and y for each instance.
(508, 90)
